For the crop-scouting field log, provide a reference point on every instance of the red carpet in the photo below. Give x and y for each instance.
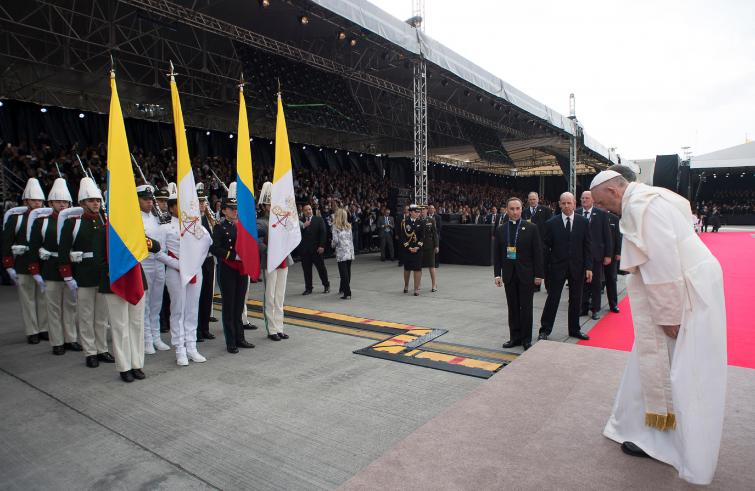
(735, 252)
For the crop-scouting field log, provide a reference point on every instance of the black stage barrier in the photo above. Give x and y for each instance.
(737, 220)
(466, 244)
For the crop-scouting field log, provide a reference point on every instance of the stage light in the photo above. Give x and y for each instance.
(1, 103)
(335, 151)
(43, 110)
(304, 20)
(304, 147)
(81, 115)
(347, 153)
(207, 133)
(265, 3)
(251, 139)
(352, 42)
(271, 142)
(230, 137)
(361, 155)
(341, 36)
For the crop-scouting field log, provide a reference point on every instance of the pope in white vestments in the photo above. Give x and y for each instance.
(670, 403)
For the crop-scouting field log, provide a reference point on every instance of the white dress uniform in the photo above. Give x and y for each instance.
(184, 300)
(154, 270)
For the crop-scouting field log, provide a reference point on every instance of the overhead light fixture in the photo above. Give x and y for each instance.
(1, 103)
(230, 137)
(341, 35)
(352, 42)
(304, 147)
(81, 115)
(265, 3)
(208, 133)
(304, 20)
(43, 110)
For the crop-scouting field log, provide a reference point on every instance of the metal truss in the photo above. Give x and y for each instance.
(420, 132)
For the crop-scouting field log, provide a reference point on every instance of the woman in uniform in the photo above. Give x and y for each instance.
(430, 246)
(412, 235)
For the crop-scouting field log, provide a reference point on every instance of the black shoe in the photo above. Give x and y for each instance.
(326, 289)
(526, 346)
(283, 335)
(630, 448)
(213, 319)
(580, 335)
(73, 346)
(33, 339)
(127, 377)
(44, 336)
(208, 335)
(511, 344)
(250, 327)
(543, 337)
(200, 340)
(58, 350)
(105, 357)
(244, 344)
(615, 310)
(273, 337)
(307, 292)
(138, 374)
(232, 349)
(406, 290)
(594, 316)
(92, 361)
(346, 297)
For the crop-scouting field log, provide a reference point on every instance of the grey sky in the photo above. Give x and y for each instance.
(649, 76)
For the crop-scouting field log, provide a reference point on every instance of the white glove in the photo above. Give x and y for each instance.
(44, 254)
(76, 256)
(71, 283)
(19, 250)
(40, 281)
(13, 276)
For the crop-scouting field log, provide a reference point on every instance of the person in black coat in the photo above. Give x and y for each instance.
(568, 256)
(602, 253)
(537, 214)
(208, 275)
(518, 267)
(612, 269)
(314, 238)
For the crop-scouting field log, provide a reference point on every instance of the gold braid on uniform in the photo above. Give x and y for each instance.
(409, 237)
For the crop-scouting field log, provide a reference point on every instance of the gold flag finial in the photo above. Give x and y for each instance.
(241, 83)
(172, 74)
(112, 66)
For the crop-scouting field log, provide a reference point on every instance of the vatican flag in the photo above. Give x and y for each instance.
(283, 229)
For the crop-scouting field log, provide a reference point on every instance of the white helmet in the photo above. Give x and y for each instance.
(232, 190)
(172, 190)
(88, 190)
(59, 191)
(266, 193)
(200, 186)
(33, 190)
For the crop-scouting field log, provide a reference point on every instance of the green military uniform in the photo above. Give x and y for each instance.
(31, 296)
(430, 243)
(61, 303)
(86, 238)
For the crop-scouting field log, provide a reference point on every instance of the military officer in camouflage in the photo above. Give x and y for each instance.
(81, 254)
(61, 304)
(17, 256)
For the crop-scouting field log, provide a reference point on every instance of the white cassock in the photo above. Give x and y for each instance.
(674, 280)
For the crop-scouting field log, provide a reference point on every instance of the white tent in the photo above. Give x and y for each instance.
(738, 156)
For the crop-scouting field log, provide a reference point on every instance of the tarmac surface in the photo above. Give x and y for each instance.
(303, 413)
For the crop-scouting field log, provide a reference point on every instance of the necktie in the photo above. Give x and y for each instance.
(587, 214)
(568, 225)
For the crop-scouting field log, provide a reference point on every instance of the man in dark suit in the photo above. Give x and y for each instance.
(611, 270)
(568, 255)
(602, 253)
(386, 226)
(312, 247)
(537, 214)
(518, 267)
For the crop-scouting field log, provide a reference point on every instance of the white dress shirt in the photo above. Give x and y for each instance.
(570, 217)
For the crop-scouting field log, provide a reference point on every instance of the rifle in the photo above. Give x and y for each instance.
(91, 176)
(218, 179)
(155, 209)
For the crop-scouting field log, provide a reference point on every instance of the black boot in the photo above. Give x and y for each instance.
(92, 361)
(44, 336)
(33, 339)
(73, 346)
(58, 350)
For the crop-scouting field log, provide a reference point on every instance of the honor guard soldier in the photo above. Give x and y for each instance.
(154, 271)
(412, 240)
(161, 199)
(17, 256)
(184, 299)
(208, 272)
(81, 253)
(61, 303)
(275, 282)
(233, 284)
(126, 321)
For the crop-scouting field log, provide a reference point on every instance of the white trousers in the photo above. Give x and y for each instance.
(33, 305)
(61, 313)
(154, 271)
(127, 329)
(184, 311)
(91, 313)
(275, 293)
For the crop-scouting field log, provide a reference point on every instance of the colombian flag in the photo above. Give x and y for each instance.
(283, 233)
(246, 227)
(127, 246)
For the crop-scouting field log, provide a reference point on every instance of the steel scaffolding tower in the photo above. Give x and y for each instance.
(573, 141)
(420, 111)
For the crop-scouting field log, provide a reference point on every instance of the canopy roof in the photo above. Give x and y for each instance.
(737, 156)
